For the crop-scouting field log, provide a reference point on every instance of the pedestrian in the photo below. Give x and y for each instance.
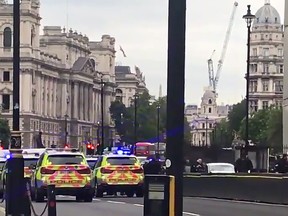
(199, 167)
(153, 166)
(282, 165)
(243, 164)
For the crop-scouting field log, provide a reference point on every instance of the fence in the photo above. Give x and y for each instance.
(269, 188)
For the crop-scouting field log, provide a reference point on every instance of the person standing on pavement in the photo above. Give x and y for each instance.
(153, 166)
(243, 164)
(282, 164)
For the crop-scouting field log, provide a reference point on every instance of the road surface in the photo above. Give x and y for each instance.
(122, 206)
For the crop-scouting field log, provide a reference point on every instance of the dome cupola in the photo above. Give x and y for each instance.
(267, 15)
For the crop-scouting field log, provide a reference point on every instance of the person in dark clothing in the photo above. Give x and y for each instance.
(153, 166)
(282, 164)
(199, 167)
(243, 164)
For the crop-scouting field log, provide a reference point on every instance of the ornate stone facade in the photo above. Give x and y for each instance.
(61, 77)
(266, 59)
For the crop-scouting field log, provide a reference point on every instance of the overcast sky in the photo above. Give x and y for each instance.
(140, 27)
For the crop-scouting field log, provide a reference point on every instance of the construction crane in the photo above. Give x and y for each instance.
(214, 79)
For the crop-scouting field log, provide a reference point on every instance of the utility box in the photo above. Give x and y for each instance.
(159, 195)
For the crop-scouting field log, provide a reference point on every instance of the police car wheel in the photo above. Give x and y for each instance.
(88, 198)
(130, 193)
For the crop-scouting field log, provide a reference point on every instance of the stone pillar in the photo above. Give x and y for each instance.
(285, 83)
(55, 96)
(76, 100)
(44, 107)
(81, 111)
(85, 102)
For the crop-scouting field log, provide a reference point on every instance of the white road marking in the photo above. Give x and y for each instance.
(115, 202)
(139, 205)
(191, 214)
(241, 202)
(98, 200)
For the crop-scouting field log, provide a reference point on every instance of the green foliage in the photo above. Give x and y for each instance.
(265, 128)
(4, 132)
(146, 118)
(222, 135)
(236, 115)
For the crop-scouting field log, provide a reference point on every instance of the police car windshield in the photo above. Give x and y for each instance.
(30, 161)
(91, 163)
(121, 160)
(65, 159)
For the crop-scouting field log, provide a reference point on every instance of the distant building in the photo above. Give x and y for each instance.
(266, 59)
(60, 79)
(203, 119)
(128, 84)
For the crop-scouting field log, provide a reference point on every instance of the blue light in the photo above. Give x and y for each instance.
(8, 156)
(120, 152)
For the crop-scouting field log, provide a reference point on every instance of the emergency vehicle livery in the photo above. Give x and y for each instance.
(68, 170)
(118, 173)
(30, 157)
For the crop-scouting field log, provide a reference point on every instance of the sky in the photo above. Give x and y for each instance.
(141, 27)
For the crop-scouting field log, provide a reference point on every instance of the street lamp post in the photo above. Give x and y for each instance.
(98, 138)
(135, 119)
(206, 133)
(102, 117)
(158, 128)
(249, 17)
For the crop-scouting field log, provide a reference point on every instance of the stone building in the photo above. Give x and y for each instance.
(61, 77)
(203, 119)
(128, 83)
(266, 59)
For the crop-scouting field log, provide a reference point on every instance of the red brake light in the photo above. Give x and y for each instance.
(1, 148)
(84, 171)
(46, 171)
(140, 170)
(88, 146)
(105, 171)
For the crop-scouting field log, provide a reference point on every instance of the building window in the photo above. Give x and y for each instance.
(278, 104)
(266, 52)
(266, 68)
(254, 52)
(6, 102)
(278, 84)
(203, 125)
(265, 85)
(203, 134)
(210, 125)
(281, 69)
(209, 101)
(209, 110)
(280, 52)
(7, 38)
(265, 104)
(254, 106)
(253, 86)
(6, 76)
(253, 68)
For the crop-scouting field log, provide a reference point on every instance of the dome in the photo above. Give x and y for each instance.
(267, 15)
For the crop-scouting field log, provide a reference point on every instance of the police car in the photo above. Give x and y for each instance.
(118, 172)
(2, 165)
(68, 170)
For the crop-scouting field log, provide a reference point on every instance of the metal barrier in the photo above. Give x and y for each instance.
(269, 188)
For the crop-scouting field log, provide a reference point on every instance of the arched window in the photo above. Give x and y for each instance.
(209, 101)
(7, 37)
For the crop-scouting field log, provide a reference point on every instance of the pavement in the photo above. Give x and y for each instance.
(122, 206)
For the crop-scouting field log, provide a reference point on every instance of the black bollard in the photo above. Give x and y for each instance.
(15, 184)
(26, 202)
(51, 200)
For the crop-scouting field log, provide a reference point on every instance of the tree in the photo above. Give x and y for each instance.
(4, 133)
(275, 130)
(236, 115)
(146, 119)
(222, 135)
(258, 124)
